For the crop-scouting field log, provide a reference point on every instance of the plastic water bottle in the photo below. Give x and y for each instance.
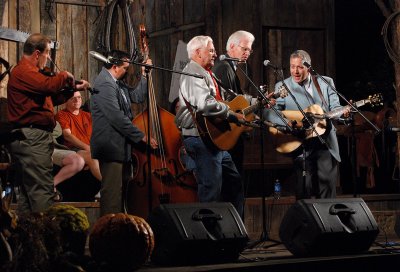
(277, 189)
(7, 190)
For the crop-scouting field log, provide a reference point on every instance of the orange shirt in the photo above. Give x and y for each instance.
(80, 125)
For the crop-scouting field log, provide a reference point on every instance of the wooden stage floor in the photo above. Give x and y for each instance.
(278, 258)
(267, 256)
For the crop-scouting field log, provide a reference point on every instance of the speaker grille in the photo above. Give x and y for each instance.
(328, 227)
(197, 233)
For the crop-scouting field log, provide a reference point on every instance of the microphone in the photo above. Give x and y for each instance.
(393, 129)
(99, 56)
(268, 63)
(248, 124)
(306, 64)
(281, 128)
(223, 57)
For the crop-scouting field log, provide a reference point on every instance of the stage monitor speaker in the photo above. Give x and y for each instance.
(322, 227)
(197, 233)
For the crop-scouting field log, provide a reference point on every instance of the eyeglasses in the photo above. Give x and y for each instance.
(245, 49)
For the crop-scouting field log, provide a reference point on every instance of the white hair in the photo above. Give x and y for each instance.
(197, 42)
(237, 36)
(303, 55)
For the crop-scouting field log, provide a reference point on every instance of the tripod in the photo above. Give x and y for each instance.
(264, 234)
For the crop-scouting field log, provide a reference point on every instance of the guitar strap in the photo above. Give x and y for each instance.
(190, 109)
(315, 81)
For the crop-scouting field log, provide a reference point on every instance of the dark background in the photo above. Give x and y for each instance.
(362, 63)
(363, 67)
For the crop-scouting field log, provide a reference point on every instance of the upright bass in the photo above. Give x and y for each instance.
(168, 181)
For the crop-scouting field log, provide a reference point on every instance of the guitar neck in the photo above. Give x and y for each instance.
(338, 112)
(253, 108)
(250, 109)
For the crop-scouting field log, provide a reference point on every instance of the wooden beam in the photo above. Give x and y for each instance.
(171, 30)
(80, 3)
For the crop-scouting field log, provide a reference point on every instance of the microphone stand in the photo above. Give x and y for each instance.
(264, 233)
(148, 67)
(353, 137)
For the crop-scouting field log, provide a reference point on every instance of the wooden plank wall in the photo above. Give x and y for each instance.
(279, 27)
(169, 21)
(73, 26)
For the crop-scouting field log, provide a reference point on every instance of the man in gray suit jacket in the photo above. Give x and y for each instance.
(113, 131)
(321, 160)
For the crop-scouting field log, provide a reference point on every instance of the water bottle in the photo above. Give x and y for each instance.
(7, 190)
(277, 189)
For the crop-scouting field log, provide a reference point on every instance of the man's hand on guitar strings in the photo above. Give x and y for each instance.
(232, 117)
(239, 120)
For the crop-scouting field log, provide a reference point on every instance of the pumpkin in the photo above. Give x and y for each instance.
(122, 241)
(74, 226)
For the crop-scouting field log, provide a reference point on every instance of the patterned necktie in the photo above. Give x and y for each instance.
(126, 105)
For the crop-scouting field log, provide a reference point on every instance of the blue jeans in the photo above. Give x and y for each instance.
(216, 174)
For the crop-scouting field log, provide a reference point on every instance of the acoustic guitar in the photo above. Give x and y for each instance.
(290, 142)
(221, 134)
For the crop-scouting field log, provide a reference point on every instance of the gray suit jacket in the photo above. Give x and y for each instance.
(200, 93)
(113, 131)
(305, 101)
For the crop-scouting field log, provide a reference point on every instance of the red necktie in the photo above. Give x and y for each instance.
(217, 93)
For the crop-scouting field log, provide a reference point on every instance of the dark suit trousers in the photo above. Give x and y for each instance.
(321, 175)
(114, 176)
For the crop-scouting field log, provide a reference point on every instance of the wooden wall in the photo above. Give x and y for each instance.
(279, 26)
(73, 26)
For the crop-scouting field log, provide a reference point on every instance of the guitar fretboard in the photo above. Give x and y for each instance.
(250, 109)
(338, 112)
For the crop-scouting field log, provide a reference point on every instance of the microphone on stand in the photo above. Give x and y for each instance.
(393, 129)
(268, 63)
(223, 57)
(306, 64)
(99, 56)
(110, 59)
(282, 128)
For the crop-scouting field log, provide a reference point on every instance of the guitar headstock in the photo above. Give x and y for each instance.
(376, 99)
(283, 92)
